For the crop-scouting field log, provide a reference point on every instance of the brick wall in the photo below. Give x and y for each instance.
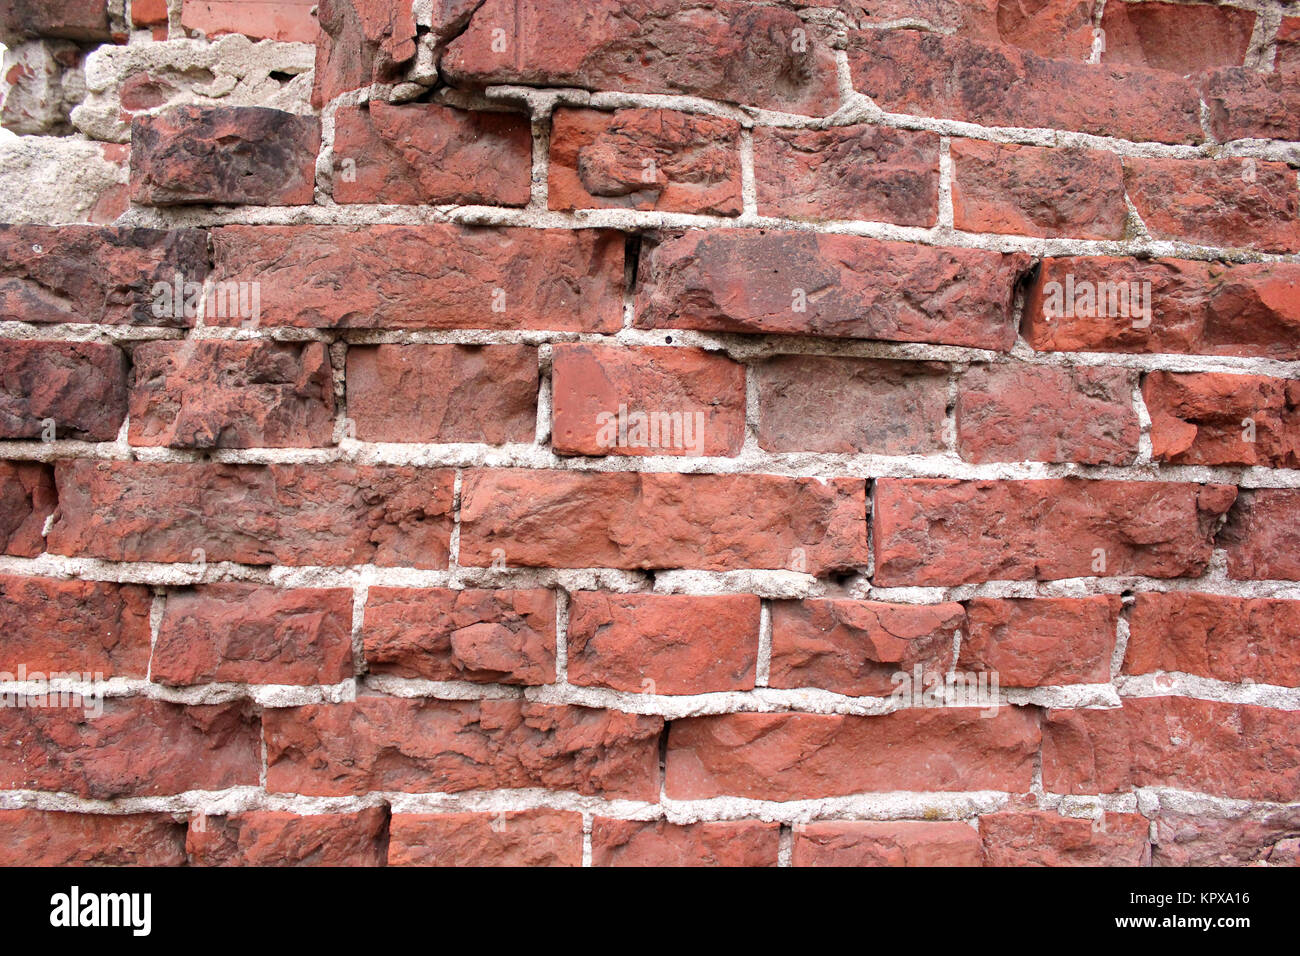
(788, 432)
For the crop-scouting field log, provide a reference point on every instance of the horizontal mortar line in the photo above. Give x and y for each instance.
(775, 584)
(363, 215)
(743, 347)
(881, 806)
(809, 465)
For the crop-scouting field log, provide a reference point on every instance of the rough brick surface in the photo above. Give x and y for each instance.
(657, 843)
(1218, 419)
(1194, 839)
(271, 838)
(1045, 839)
(1262, 535)
(41, 838)
(288, 20)
(27, 499)
(1247, 104)
(517, 838)
(85, 20)
(1043, 641)
(61, 390)
(886, 844)
(1180, 38)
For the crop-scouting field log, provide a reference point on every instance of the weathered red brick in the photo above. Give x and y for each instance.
(803, 756)
(505, 636)
(1247, 104)
(1213, 635)
(257, 514)
(1262, 535)
(1057, 28)
(425, 153)
(536, 518)
(1197, 839)
(1217, 202)
(659, 843)
(1227, 750)
(27, 498)
(514, 838)
(428, 277)
(1037, 191)
(61, 390)
(644, 159)
(1213, 418)
(443, 393)
(831, 404)
(226, 154)
(291, 21)
(1203, 308)
(248, 633)
(720, 49)
(366, 41)
(874, 173)
(617, 400)
(1046, 413)
(106, 275)
(41, 838)
(906, 71)
(858, 647)
(84, 20)
(417, 745)
(1179, 37)
(1042, 838)
(830, 285)
(274, 838)
(1041, 641)
(211, 394)
(136, 748)
(663, 643)
(946, 532)
(1287, 59)
(88, 627)
(870, 843)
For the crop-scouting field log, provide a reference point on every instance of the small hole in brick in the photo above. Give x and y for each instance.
(669, 340)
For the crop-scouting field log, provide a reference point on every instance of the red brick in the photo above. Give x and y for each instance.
(659, 843)
(1041, 641)
(1217, 202)
(1041, 838)
(1226, 750)
(417, 746)
(79, 386)
(829, 285)
(248, 633)
(515, 838)
(274, 838)
(1202, 308)
(1196, 839)
(947, 532)
(1287, 59)
(858, 647)
(851, 405)
(366, 41)
(288, 20)
(1058, 28)
(906, 71)
(640, 520)
(873, 173)
(228, 154)
(644, 159)
(504, 636)
(27, 498)
(89, 627)
(255, 514)
(718, 49)
(614, 400)
(443, 393)
(868, 843)
(1037, 191)
(663, 643)
(428, 277)
(804, 756)
(136, 748)
(425, 153)
(1212, 418)
(1179, 37)
(1262, 535)
(84, 20)
(1044, 413)
(1210, 635)
(95, 274)
(1247, 104)
(197, 394)
(40, 838)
